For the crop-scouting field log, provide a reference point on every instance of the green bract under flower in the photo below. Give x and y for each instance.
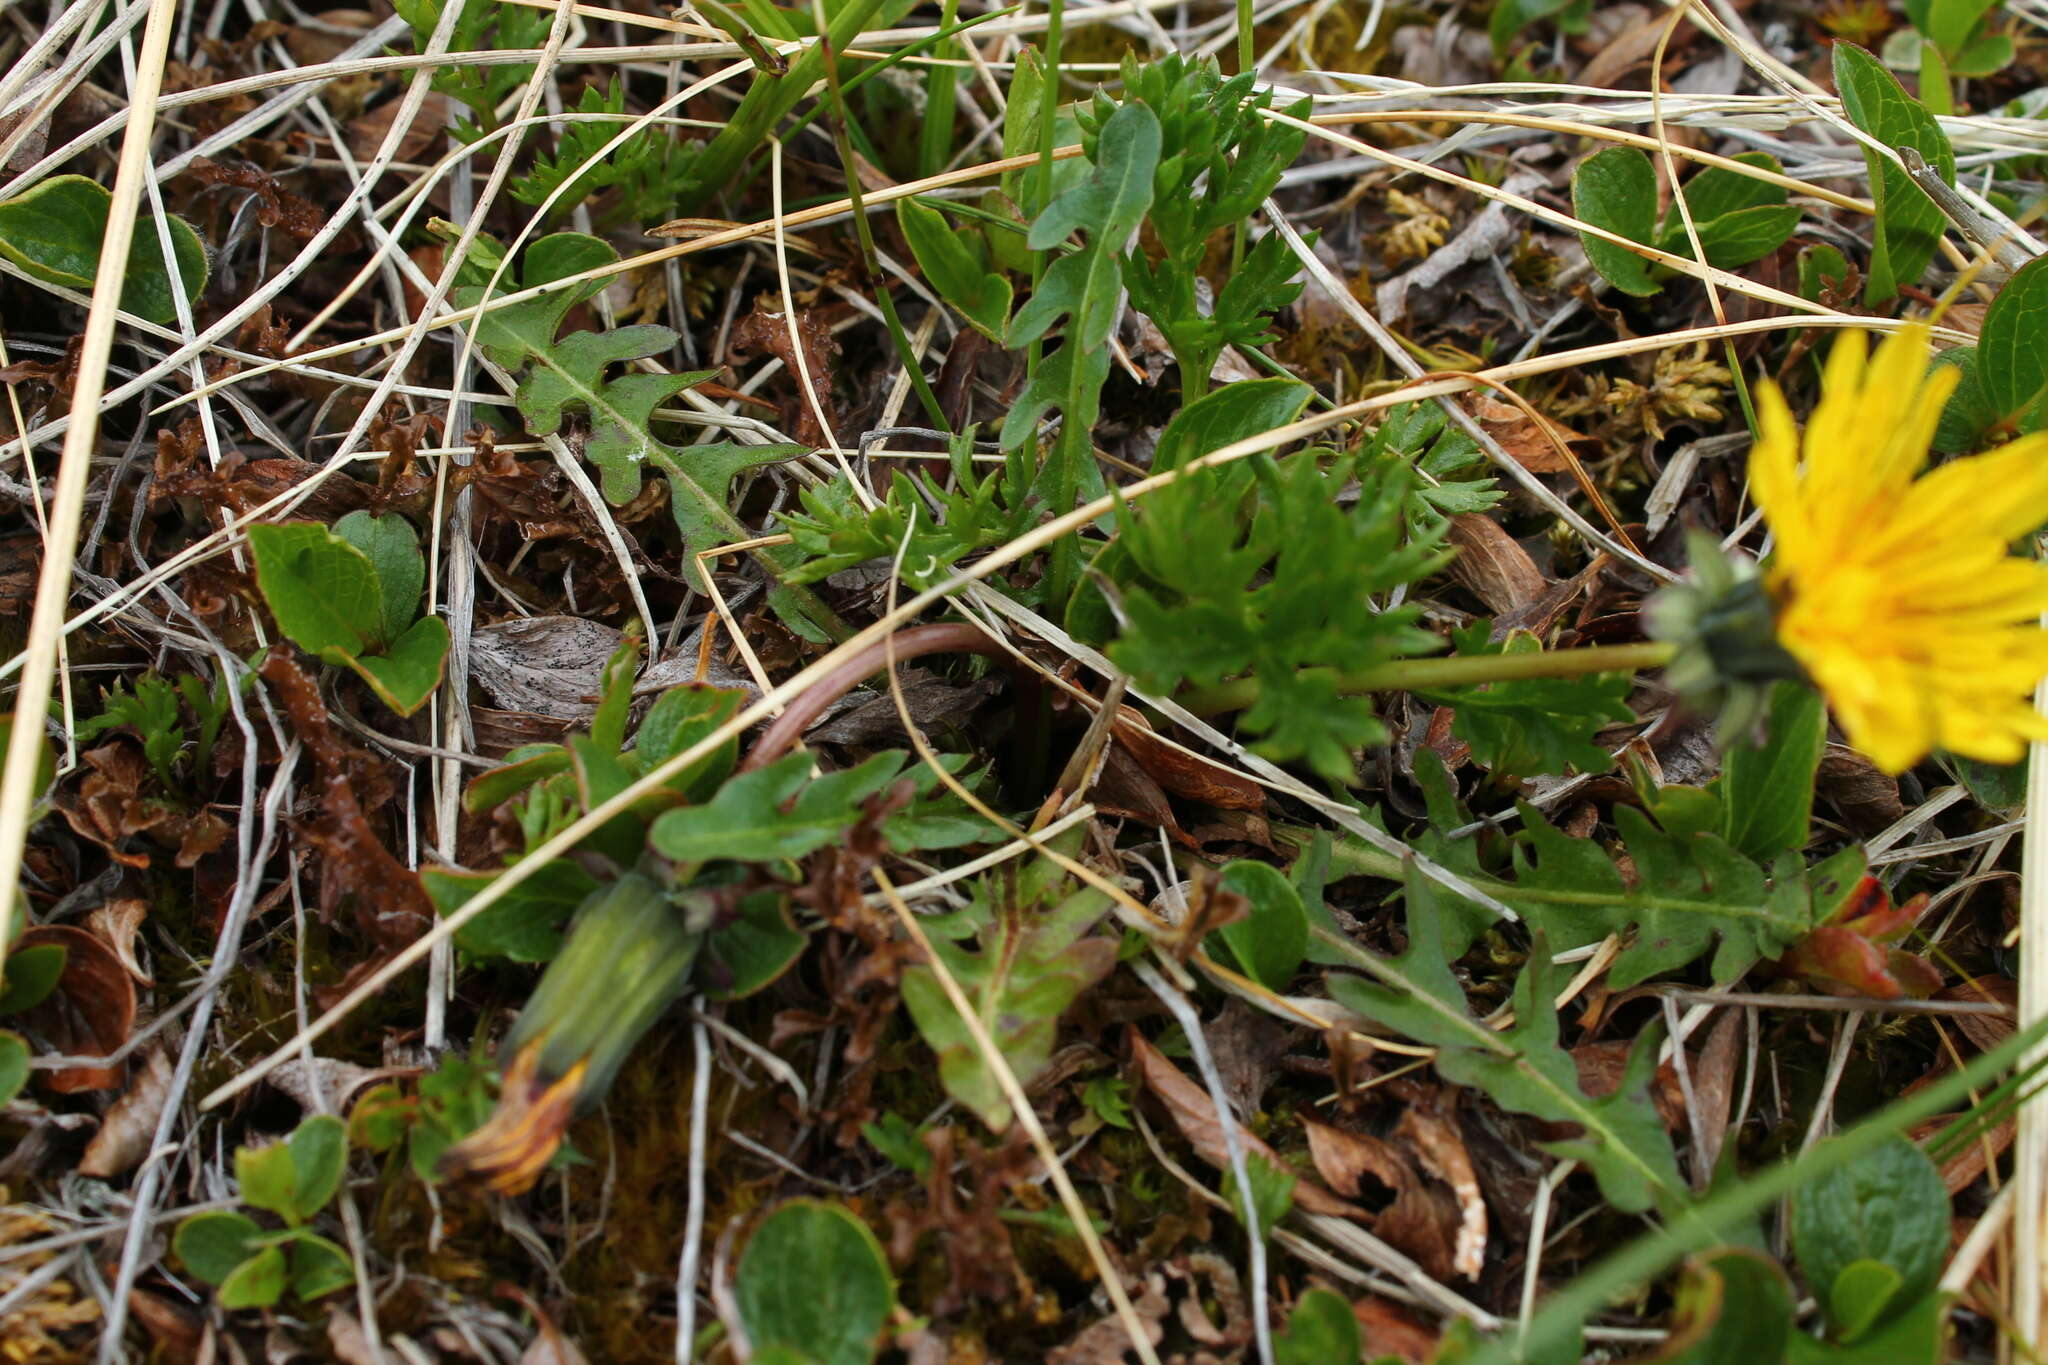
(1722, 624)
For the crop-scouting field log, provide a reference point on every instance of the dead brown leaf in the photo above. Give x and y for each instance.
(116, 923)
(1386, 1328)
(1631, 50)
(1344, 1159)
(1442, 1151)
(767, 330)
(1188, 1105)
(1528, 444)
(1985, 1031)
(1713, 1088)
(1868, 800)
(118, 800)
(1182, 773)
(1490, 563)
(1107, 1341)
(130, 1125)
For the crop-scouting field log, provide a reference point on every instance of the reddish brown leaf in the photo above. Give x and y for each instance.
(1522, 438)
(1386, 1328)
(1344, 1159)
(1986, 1031)
(1183, 773)
(767, 329)
(92, 1011)
(1868, 800)
(1851, 953)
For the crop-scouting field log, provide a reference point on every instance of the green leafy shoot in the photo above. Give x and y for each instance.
(153, 713)
(447, 1104)
(1219, 160)
(1949, 38)
(782, 812)
(1523, 727)
(645, 173)
(482, 26)
(294, 1179)
(1033, 953)
(933, 529)
(1452, 475)
(559, 377)
(1258, 567)
(1084, 286)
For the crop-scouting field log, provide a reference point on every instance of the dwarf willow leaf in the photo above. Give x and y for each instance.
(257, 1282)
(396, 565)
(349, 599)
(54, 232)
(813, 1283)
(212, 1244)
(13, 1064)
(295, 1178)
(1616, 189)
(1270, 942)
(2012, 362)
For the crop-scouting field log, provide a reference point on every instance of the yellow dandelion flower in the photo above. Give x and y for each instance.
(1896, 590)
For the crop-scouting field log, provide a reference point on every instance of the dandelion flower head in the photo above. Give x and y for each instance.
(1895, 586)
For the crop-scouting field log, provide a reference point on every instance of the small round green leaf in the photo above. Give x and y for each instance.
(1271, 941)
(257, 1282)
(1888, 1206)
(814, 1280)
(1616, 190)
(318, 1267)
(319, 1151)
(13, 1065)
(32, 973)
(1321, 1329)
(211, 1245)
(54, 233)
(2012, 351)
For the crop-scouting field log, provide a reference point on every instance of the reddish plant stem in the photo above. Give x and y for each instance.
(952, 637)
